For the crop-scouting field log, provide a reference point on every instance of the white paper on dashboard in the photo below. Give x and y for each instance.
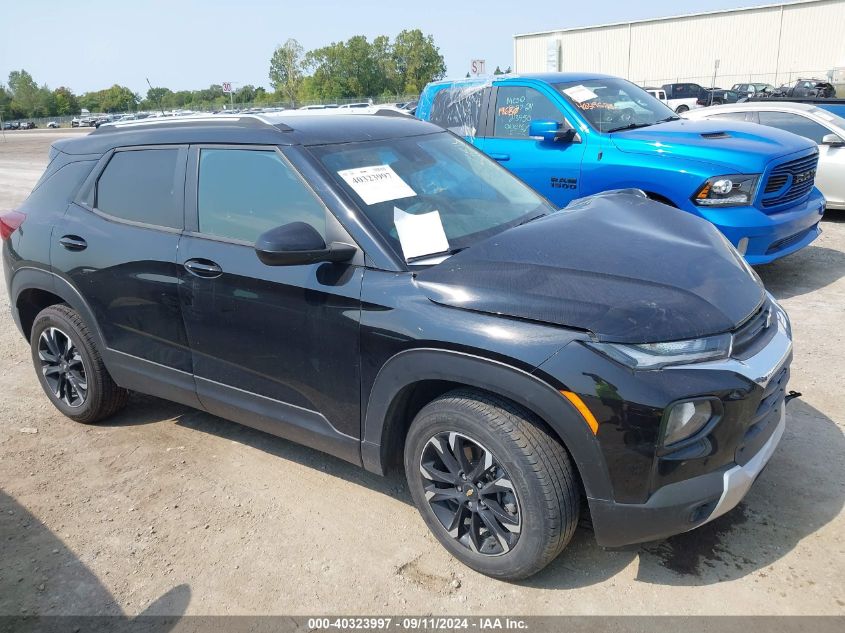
(378, 183)
(580, 93)
(421, 234)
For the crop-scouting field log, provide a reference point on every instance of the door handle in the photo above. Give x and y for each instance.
(203, 268)
(500, 157)
(73, 242)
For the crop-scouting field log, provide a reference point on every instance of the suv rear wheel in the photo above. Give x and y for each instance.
(70, 368)
(495, 488)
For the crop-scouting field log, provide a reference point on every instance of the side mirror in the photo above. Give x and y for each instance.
(299, 243)
(834, 140)
(550, 131)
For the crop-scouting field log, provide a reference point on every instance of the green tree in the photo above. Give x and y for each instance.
(498, 71)
(286, 69)
(245, 94)
(5, 100)
(27, 101)
(65, 101)
(418, 60)
(119, 99)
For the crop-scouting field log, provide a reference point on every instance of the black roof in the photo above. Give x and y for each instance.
(268, 129)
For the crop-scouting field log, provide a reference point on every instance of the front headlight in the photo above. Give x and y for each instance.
(734, 190)
(656, 355)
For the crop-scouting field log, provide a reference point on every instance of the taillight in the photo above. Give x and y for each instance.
(9, 222)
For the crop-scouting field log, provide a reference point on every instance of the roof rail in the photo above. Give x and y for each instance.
(246, 120)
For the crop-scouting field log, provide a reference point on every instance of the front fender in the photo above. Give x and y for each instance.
(415, 365)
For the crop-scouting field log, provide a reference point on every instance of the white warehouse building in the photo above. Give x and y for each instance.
(775, 43)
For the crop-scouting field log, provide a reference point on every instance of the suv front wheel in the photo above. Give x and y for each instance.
(70, 368)
(495, 488)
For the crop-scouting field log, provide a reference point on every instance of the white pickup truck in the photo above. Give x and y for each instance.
(681, 97)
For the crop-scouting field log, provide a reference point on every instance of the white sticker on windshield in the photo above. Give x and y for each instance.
(580, 93)
(421, 234)
(375, 184)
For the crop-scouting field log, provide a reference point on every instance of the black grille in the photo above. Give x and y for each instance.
(754, 333)
(788, 241)
(801, 175)
(765, 419)
(775, 182)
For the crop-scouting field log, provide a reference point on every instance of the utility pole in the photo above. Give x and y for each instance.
(713, 85)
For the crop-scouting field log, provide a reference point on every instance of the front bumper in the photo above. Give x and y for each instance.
(681, 506)
(686, 504)
(770, 235)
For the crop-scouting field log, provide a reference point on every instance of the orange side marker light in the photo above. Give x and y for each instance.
(588, 416)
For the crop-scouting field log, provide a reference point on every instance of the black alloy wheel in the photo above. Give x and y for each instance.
(62, 367)
(70, 368)
(470, 493)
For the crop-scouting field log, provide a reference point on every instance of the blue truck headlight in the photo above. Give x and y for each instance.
(656, 355)
(685, 419)
(736, 190)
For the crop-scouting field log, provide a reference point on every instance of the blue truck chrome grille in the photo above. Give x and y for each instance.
(790, 181)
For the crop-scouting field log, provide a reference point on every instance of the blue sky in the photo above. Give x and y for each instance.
(190, 44)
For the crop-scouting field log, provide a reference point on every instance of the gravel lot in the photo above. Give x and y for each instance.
(170, 510)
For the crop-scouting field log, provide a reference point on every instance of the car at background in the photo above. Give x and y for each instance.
(27, 125)
(376, 288)
(806, 88)
(52, 125)
(347, 106)
(752, 89)
(657, 93)
(570, 135)
(682, 97)
(11, 125)
(718, 96)
(820, 126)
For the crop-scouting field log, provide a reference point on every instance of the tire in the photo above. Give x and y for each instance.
(70, 369)
(528, 478)
(681, 109)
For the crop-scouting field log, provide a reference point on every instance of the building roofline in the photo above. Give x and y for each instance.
(669, 17)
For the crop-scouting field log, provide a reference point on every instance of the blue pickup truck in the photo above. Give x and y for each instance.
(569, 135)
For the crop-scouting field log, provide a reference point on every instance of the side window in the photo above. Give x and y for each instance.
(243, 192)
(141, 186)
(457, 110)
(734, 116)
(794, 123)
(517, 106)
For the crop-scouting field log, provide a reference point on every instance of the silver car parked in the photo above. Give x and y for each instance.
(804, 119)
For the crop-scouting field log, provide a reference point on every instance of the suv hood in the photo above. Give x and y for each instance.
(744, 148)
(621, 266)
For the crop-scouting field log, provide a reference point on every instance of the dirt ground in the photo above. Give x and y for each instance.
(171, 510)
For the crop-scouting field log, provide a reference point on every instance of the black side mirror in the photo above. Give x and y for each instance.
(551, 131)
(299, 243)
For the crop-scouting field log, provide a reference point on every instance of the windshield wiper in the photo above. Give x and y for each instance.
(422, 258)
(630, 126)
(531, 219)
(668, 118)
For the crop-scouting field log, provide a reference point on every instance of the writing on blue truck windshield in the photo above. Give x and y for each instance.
(610, 104)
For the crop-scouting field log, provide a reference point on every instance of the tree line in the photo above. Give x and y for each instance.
(357, 67)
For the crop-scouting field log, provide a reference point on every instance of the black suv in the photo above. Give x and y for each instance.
(378, 289)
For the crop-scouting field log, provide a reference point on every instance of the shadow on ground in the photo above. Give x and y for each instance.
(41, 576)
(807, 270)
(796, 495)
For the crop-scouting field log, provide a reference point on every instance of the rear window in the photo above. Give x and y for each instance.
(140, 186)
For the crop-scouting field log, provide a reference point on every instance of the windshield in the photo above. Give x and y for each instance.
(611, 104)
(432, 194)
